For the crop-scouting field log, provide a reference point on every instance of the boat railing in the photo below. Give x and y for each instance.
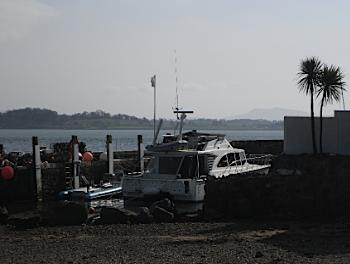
(250, 163)
(259, 159)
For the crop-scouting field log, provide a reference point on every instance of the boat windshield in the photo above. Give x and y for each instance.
(232, 159)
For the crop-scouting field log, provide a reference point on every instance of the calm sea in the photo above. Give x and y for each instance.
(20, 139)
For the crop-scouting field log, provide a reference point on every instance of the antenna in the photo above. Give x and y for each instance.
(176, 84)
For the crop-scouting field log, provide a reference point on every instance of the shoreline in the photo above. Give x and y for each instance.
(233, 242)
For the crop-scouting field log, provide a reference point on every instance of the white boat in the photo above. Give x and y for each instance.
(182, 163)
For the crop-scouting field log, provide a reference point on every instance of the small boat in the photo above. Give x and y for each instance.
(182, 163)
(92, 193)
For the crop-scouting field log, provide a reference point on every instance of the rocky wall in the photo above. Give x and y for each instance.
(20, 187)
(53, 181)
(297, 186)
(274, 147)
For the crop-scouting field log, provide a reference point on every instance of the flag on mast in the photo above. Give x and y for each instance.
(153, 81)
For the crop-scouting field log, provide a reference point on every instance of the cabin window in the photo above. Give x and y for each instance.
(150, 166)
(205, 164)
(234, 159)
(169, 165)
(243, 158)
(223, 162)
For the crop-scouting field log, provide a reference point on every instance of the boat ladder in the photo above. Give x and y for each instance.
(68, 176)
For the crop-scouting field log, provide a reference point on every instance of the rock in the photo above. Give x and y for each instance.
(144, 216)
(93, 219)
(67, 213)
(285, 172)
(210, 214)
(161, 215)
(3, 214)
(114, 215)
(258, 254)
(24, 220)
(166, 204)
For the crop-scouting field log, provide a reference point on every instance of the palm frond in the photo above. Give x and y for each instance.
(310, 69)
(331, 84)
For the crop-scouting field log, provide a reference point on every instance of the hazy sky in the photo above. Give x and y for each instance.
(233, 56)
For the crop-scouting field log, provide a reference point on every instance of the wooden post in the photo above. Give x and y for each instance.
(37, 169)
(76, 161)
(110, 156)
(140, 152)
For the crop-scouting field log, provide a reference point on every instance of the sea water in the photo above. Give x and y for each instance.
(21, 139)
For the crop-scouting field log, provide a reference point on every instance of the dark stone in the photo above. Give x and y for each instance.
(258, 254)
(66, 213)
(93, 219)
(165, 203)
(3, 214)
(211, 214)
(114, 215)
(24, 220)
(144, 216)
(161, 215)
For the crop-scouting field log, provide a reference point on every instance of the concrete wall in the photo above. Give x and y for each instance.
(336, 134)
(343, 133)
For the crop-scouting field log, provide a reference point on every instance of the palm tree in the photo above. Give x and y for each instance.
(331, 88)
(309, 73)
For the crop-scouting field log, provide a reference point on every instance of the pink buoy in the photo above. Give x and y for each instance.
(7, 173)
(87, 156)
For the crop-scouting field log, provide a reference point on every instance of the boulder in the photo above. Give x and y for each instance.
(166, 204)
(161, 215)
(115, 215)
(144, 216)
(66, 213)
(24, 220)
(3, 215)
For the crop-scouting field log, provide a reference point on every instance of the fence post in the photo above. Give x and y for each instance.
(110, 156)
(140, 152)
(76, 161)
(37, 169)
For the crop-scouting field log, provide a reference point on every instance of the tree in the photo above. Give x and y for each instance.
(331, 88)
(310, 70)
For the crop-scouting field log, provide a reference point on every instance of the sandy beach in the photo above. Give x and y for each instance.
(235, 242)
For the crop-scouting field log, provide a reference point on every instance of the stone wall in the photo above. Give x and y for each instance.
(21, 187)
(259, 146)
(53, 181)
(297, 186)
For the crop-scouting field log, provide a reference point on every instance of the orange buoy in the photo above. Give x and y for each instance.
(7, 173)
(87, 156)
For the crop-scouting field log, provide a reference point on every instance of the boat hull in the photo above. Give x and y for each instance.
(191, 190)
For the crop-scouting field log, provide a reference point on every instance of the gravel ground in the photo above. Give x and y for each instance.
(238, 242)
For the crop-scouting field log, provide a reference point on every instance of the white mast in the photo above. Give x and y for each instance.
(176, 85)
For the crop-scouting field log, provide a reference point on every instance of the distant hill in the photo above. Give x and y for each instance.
(35, 118)
(275, 113)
